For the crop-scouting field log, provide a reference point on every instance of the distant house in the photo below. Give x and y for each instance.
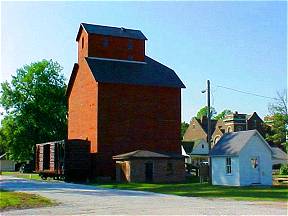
(231, 123)
(241, 158)
(6, 164)
(198, 129)
(197, 151)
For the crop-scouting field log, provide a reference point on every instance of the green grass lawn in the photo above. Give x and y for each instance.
(33, 176)
(15, 200)
(195, 189)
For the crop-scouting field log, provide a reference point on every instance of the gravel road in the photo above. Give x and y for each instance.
(76, 199)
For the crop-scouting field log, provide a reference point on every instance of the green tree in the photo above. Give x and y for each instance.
(279, 129)
(184, 127)
(204, 111)
(35, 106)
(223, 114)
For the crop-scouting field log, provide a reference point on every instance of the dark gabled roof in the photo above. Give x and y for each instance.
(204, 124)
(232, 143)
(145, 154)
(188, 146)
(149, 73)
(111, 31)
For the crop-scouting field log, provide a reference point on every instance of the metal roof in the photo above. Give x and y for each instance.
(232, 143)
(148, 73)
(145, 154)
(111, 31)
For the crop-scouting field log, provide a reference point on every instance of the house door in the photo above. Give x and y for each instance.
(255, 170)
(149, 172)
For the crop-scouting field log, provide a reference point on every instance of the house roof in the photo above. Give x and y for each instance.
(277, 153)
(232, 143)
(188, 146)
(111, 31)
(204, 124)
(149, 73)
(145, 154)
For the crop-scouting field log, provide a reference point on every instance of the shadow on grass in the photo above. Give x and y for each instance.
(192, 188)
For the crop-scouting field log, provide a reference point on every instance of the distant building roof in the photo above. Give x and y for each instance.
(145, 154)
(149, 73)
(204, 123)
(111, 31)
(277, 153)
(188, 146)
(232, 143)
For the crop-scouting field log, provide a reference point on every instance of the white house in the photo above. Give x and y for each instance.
(197, 151)
(242, 158)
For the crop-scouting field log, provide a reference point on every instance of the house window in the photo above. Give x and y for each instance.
(105, 42)
(169, 170)
(130, 58)
(202, 145)
(193, 126)
(82, 42)
(254, 162)
(228, 165)
(130, 45)
(255, 123)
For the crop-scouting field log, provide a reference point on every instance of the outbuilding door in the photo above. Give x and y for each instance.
(149, 172)
(255, 170)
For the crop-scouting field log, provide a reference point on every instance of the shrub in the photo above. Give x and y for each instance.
(284, 169)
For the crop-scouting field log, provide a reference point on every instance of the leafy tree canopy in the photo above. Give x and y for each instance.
(184, 127)
(223, 114)
(204, 111)
(278, 111)
(35, 106)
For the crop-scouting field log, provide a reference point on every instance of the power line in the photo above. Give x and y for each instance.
(244, 92)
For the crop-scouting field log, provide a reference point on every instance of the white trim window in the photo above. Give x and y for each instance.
(228, 166)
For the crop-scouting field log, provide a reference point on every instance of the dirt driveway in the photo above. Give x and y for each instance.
(76, 199)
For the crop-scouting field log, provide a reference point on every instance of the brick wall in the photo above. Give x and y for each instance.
(116, 48)
(82, 101)
(136, 117)
(134, 170)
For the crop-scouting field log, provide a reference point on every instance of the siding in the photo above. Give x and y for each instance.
(7, 165)
(199, 150)
(219, 171)
(255, 147)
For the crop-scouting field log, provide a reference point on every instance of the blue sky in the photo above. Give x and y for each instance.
(241, 45)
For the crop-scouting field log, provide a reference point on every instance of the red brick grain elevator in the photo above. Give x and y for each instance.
(120, 99)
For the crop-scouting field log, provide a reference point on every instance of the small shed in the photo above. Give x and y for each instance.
(148, 166)
(240, 159)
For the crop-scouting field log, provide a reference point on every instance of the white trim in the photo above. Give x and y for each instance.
(83, 27)
(118, 60)
(235, 123)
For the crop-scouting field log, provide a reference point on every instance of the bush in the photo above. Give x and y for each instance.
(284, 170)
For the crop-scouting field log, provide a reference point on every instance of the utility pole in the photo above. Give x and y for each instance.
(209, 130)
